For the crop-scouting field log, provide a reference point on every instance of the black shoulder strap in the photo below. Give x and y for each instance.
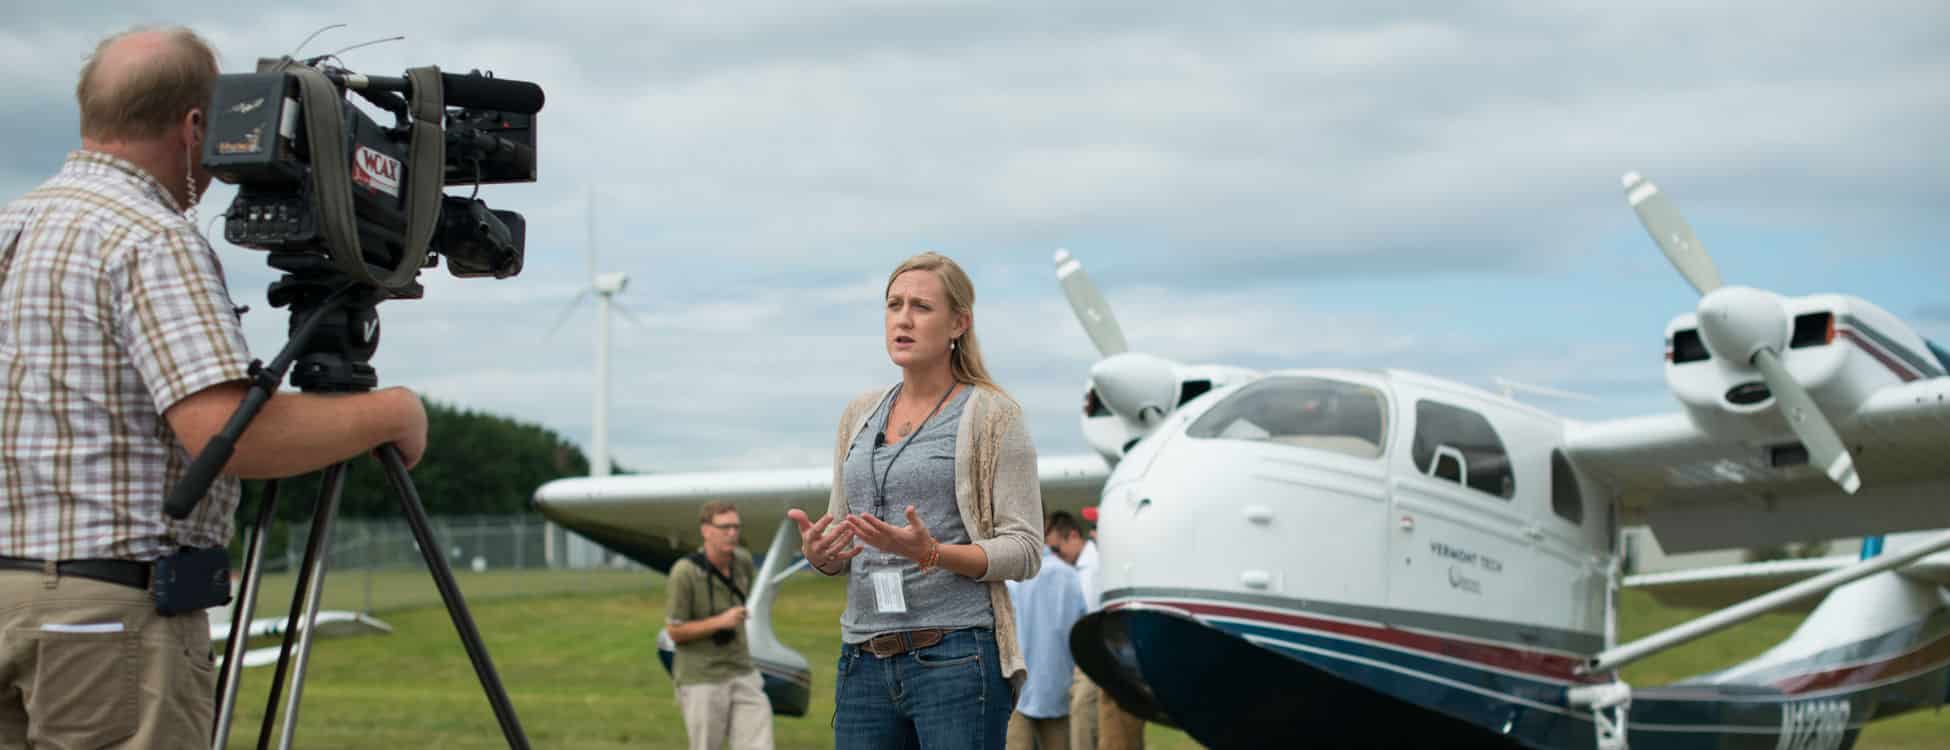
(701, 561)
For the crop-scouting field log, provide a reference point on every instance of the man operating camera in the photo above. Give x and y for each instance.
(121, 356)
(719, 691)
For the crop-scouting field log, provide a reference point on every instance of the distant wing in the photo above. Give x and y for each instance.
(330, 624)
(652, 518)
(1698, 493)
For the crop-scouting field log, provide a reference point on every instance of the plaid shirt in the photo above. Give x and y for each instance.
(112, 309)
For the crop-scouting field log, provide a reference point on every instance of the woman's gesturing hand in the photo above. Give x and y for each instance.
(820, 549)
(911, 541)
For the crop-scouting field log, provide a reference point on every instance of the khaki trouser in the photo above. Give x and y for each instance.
(1117, 729)
(1083, 711)
(88, 664)
(1030, 733)
(735, 710)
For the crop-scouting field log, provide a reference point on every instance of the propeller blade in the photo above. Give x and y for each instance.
(1825, 448)
(1091, 309)
(567, 310)
(1670, 231)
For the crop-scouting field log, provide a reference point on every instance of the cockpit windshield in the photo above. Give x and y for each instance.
(1328, 415)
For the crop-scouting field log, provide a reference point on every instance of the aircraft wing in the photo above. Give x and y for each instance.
(329, 624)
(1698, 492)
(652, 518)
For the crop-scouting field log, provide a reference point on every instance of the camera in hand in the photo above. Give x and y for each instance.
(725, 636)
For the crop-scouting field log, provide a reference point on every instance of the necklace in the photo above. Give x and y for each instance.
(908, 426)
(880, 488)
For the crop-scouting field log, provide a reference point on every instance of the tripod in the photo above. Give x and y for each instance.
(334, 332)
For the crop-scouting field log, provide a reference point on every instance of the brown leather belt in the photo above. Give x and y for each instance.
(895, 644)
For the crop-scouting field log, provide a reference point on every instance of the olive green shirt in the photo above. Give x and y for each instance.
(695, 594)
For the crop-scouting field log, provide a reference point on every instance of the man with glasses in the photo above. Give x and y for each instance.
(719, 691)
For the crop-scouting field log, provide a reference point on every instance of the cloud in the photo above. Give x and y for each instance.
(1269, 184)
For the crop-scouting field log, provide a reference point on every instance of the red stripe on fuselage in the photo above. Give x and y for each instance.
(1550, 666)
(1930, 655)
(1864, 344)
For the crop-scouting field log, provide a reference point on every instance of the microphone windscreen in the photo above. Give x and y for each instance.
(500, 94)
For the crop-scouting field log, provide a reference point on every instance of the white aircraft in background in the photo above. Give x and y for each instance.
(330, 624)
(1356, 557)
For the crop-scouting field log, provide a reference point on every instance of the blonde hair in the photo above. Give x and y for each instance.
(965, 359)
(146, 100)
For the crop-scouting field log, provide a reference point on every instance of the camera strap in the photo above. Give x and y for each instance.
(331, 176)
(701, 561)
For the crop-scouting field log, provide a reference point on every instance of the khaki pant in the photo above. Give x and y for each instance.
(735, 710)
(1030, 733)
(1083, 711)
(1117, 729)
(88, 664)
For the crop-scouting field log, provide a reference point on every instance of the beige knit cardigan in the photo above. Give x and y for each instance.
(997, 490)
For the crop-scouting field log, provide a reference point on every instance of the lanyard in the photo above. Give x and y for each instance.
(880, 488)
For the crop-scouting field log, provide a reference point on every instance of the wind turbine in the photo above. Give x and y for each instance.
(605, 287)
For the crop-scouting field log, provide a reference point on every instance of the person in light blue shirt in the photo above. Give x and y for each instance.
(1046, 606)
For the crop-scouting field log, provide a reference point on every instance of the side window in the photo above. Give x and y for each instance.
(1566, 501)
(1459, 444)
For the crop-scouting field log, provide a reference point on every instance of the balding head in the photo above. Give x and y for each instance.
(140, 83)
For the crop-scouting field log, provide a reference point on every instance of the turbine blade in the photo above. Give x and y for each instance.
(567, 310)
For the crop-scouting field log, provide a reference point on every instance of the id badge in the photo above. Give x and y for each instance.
(888, 597)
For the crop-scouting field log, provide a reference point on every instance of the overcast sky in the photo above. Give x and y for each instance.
(1429, 186)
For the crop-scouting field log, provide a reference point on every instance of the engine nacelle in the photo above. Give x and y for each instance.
(1840, 348)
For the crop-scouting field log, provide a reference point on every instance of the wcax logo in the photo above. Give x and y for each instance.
(376, 171)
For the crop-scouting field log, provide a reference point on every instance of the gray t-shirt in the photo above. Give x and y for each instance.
(921, 475)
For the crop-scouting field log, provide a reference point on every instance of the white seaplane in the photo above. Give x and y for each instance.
(1336, 558)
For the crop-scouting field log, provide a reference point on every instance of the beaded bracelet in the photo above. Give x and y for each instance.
(934, 555)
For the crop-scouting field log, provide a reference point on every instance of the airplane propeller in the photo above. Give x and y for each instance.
(1092, 311)
(1137, 387)
(1744, 325)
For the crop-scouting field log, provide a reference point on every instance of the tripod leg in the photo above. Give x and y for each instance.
(310, 582)
(443, 578)
(333, 486)
(240, 616)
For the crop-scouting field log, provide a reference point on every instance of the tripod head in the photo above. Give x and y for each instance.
(334, 333)
(335, 355)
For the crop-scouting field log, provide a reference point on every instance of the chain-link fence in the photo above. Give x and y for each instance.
(375, 565)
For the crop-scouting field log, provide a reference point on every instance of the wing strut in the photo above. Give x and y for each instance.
(1613, 658)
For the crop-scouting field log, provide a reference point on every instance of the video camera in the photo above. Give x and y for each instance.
(316, 176)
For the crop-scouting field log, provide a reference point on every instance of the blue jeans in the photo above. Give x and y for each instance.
(948, 696)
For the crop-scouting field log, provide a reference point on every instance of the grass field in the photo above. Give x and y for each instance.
(582, 672)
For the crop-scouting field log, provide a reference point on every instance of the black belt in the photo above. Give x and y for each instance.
(126, 572)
